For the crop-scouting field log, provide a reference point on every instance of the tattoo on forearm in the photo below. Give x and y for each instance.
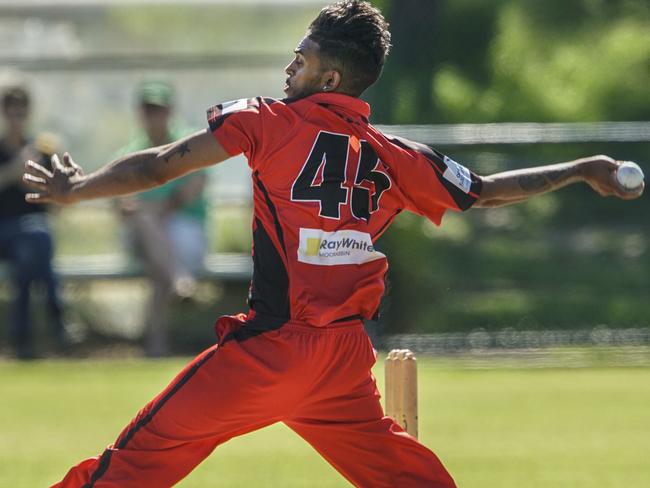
(543, 180)
(181, 150)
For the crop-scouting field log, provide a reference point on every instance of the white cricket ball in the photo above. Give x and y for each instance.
(629, 175)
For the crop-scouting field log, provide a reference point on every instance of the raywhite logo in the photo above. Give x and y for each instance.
(234, 106)
(334, 248)
(458, 175)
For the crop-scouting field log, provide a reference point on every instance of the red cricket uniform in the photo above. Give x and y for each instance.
(326, 184)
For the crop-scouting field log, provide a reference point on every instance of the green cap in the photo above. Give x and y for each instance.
(157, 93)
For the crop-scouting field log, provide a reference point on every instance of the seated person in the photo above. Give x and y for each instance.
(166, 224)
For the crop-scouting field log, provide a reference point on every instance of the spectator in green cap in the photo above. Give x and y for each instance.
(156, 93)
(166, 225)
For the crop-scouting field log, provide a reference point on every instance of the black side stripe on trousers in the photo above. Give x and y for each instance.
(121, 444)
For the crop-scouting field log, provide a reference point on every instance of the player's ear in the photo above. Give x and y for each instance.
(331, 80)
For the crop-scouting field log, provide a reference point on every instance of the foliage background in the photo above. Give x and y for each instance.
(565, 260)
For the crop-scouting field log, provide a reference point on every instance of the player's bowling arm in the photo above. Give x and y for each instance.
(132, 173)
(516, 186)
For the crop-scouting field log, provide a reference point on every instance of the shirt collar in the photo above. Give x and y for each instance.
(344, 101)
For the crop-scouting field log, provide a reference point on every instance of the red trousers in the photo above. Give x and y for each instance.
(315, 380)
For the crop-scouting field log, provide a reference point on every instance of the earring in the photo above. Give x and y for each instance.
(325, 88)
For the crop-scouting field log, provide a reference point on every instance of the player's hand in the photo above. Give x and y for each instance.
(52, 186)
(600, 174)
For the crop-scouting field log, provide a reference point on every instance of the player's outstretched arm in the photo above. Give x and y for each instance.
(139, 171)
(508, 187)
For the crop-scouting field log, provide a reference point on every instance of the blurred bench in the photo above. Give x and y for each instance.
(224, 267)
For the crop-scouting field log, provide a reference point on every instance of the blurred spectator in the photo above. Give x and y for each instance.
(166, 224)
(25, 240)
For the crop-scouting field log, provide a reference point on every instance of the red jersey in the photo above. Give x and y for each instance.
(326, 185)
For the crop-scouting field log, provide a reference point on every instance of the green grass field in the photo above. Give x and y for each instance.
(497, 427)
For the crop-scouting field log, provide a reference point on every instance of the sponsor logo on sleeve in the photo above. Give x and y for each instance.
(336, 248)
(458, 175)
(234, 106)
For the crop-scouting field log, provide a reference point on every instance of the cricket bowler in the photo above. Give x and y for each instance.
(327, 185)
